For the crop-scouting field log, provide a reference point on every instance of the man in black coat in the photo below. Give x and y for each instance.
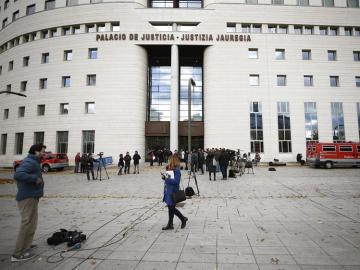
(90, 167)
(201, 160)
(127, 160)
(224, 163)
(136, 158)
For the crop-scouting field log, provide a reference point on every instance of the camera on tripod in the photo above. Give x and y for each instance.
(100, 154)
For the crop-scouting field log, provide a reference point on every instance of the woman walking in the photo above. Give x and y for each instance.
(171, 185)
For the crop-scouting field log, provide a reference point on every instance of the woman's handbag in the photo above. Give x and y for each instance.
(178, 196)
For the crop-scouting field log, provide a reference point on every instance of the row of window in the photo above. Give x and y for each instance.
(45, 58)
(256, 129)
(281, 80)
(62, 141)
(279, 54)
(60, 31)
(293, 29)
(64, 109)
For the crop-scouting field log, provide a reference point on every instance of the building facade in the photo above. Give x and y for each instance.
(112, 76)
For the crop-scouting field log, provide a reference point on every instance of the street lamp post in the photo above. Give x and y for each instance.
(190, 85)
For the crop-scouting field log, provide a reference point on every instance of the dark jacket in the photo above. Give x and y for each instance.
(224, 159)
(136, 158)
(26, 175)
(121, 162)
(127, 159)
(171, 185)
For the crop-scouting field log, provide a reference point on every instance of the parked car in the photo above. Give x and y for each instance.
(50, 161)
(331, 155)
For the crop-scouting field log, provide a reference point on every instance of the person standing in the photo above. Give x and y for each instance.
(121, 164)
(83, 163)
(211, 164)
(171, 185)
(201, 160)
(136, 158)
(224, 163)
(77, 162)
(160, 157)
(127, 160)
(30, 185)
(152, 158)
(194, 160)
(90, 167)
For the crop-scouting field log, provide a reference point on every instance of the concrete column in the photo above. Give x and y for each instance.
(174, 114)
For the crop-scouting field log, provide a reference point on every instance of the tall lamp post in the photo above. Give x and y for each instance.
(191, 84)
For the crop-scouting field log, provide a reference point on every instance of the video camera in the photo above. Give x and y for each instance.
(100, 154)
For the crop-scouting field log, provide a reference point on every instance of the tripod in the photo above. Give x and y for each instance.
(101, 163)
(193, 175)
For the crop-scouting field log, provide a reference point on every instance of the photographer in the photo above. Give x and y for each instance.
(90, 167)
(30, 187)
(171, 185)
(136, 158)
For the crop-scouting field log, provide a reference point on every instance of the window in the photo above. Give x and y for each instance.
(93, 53)
(66, 81)
(115, 26)
(357, 81)
(345, 148)
(49, 4)
(23, 86)
(62, 138)
(348, 31)
(19, 141)
(101, 27)
(334, 81)
(6, 4)
(303, 2)
(6, 114)
(39, 137)
(11, 66)
(253, 53)
(356, 55)
(352, 3)
(329, 148)
(26, 61)
(284, 129)
(254, 79)
(64, 108)
(90, 28)
(88, 138)
(306, 54)
(66, 31)
(311, 122)
(333, 31)
(45, 58)
(358, 114)
(323, 30)
(298, 30)
(279, 54)
(76, 29)
(277, 2)
(91, 79)
(230, 27)
(328, 3)
(8, 88)
(254, 2)
(256, 128)
(272, 29)
(281, 80)
(41, 110)
(54, 32)
(0, 70)
(283, 29)
(245, 28)
(15, 16)
(68, 55)
(89, 107)
(3, 144)
(4, 23)
(30, 9)
(357, 31)
(21, 111)
(337, 116)
(256, 28)
(308, 80)
(332, 55)
(72, 2)
(308, 30)
(160, 92)
(43, 83)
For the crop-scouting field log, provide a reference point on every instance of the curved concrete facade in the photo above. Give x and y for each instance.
(121, 69)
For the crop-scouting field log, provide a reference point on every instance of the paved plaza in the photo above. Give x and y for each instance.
(294, 218)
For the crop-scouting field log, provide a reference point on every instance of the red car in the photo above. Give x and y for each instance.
(50, 161)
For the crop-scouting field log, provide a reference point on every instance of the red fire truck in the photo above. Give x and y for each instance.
(329, 155)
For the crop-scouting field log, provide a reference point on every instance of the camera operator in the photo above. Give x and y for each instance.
(136, 158)
(90, 167)
(30, 185)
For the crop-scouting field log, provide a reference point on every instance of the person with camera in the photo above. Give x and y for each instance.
(30, 185)
(127, 160)
(171, 185)
(121, 164)
(90, 167)
(136, 158)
